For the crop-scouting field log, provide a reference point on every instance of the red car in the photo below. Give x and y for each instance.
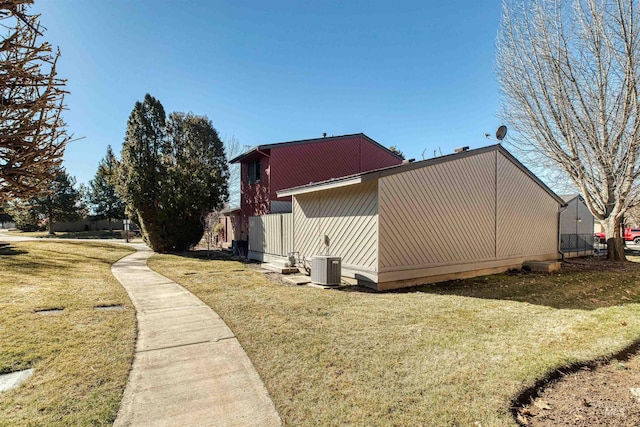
(632, 234)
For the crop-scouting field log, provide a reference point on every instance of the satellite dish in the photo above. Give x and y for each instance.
(501, 133)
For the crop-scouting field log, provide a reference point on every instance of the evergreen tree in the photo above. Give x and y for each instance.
(396, 151)
(102, 190)
(140, 167)
(61, 201)
(25, 214)
(172, 173)
(197, 177)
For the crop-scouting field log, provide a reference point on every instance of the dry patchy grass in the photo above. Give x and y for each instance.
(81, 356)
(92, 234)
(439, 355)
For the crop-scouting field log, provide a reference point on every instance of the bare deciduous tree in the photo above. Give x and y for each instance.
(233, 148)
(32, 133)
(211, 225)
(568, 71)
(632, 217)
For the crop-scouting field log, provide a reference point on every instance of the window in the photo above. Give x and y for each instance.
(254, 171)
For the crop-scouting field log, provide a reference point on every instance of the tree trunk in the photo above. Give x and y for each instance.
(50, 225)
(615, 244)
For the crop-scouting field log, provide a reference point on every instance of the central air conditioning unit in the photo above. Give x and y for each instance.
(326, 270)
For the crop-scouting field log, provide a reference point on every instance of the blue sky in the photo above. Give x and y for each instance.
(417, 74)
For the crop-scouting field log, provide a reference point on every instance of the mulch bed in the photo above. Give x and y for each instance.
(602, 395)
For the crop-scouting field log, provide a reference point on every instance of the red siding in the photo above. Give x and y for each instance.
(300, 164)
(254, 198)
(374, 157)
(291, 165)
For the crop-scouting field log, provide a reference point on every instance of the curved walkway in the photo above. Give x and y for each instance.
(189, 369)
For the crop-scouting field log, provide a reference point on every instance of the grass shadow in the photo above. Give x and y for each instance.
(7, 250)
(213, 255)
(57, 260)
(582, 284)
(62, 255)
(41, 269)
(99, 234)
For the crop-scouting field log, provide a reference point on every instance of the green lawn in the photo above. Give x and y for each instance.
(81, 356)
(440, 355)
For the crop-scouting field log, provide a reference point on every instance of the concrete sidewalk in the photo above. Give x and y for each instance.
(189, 369)
(6, 237)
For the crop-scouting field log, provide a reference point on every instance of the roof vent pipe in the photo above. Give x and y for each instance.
(461, 149)
(324, 134)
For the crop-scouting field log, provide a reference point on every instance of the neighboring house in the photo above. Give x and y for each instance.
(89, 224)
(6, 221)
(231, 225)
(467, 214)
(576, 227)
(267, 169)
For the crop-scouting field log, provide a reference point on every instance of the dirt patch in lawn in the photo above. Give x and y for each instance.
(604, 394)
(599, 264)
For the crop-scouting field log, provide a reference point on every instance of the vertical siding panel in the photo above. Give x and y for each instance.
(438, 214)
(325, 158)
(526, 217)
(585, 226)
(568, 223)
(271, 234)
(256, 234)
(287, 234)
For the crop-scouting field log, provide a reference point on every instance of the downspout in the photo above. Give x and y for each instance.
(562, 209)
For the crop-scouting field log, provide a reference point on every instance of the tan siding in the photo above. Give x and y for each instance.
(271, 234)
(256, 234)
(472, 214)
(306, 219)
(347, 216)
(441, 214)
(287, 234)
(527, 217)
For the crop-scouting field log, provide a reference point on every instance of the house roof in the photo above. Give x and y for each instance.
(231, 210)
(258, 148)
(569, 197)
(405, 167)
